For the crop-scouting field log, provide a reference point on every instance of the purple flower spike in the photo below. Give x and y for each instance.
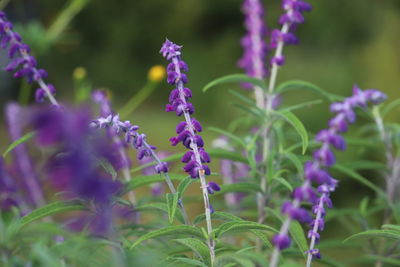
(315, 170)
(22, 63)
(255, 48)
(178, 101)
(189, 137)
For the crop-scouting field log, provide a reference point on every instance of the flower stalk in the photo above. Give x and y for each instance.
(188, 131)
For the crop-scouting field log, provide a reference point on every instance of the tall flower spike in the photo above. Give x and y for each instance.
(315, 172)
(22, 63)
(289, 20)
(331, 138)
(188, 130)
(138, 142)
(254, 45)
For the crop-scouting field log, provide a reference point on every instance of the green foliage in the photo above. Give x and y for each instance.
(49, 210)
(389, 234)
(19, 141)
(297, 125)
(235, 78)
(198, 247)
(297, 84)
(172, 203)
(169, 230)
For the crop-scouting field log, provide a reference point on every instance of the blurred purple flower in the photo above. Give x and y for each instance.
(31, 184)
(254, 45)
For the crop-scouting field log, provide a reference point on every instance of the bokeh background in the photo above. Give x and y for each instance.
(342, 42)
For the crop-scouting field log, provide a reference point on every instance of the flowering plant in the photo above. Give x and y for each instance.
(73, 194)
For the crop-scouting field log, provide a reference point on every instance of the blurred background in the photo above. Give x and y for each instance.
(115, 43)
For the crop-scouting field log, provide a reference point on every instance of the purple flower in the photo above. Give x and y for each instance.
(188, 130)
(22, 63)
(132, 137)
(281, 241)
(315, 170)
(212, 187)
(292, 17)
(255, 48)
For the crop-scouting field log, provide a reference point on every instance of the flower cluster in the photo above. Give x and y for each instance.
(137, 140)
(178, 101)
(292, 17)
(22, 63)
(255, 47)
(315, 170)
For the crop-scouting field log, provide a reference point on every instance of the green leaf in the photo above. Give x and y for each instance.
(364, 206)
(240, 226)
(107, 167)
(302, 105)
(375, 233)
(183, 185)
(197, 247)
(392, 227)
(283, 182)
(235, 259)
(297, 233)
(296, 162)
(238, 187)
(389, 107)
(263, 237)
(251, 110)
(218, 215)
(192, 262)
(170, 230)
(172, 202)
(139, 181)
(51, 209)
(298, 84)
(225, 154)
(297, 125)
(17, 142)
(365, 165)
(160, 207)
(228, 134)
(358, 177)
(384, 259)
(233, 78)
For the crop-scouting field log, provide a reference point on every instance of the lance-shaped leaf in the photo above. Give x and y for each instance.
(235, 78)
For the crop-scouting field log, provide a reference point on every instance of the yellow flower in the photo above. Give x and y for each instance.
(156, 73)
(79, 73)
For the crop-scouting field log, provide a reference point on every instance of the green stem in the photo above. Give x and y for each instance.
(135, 101)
